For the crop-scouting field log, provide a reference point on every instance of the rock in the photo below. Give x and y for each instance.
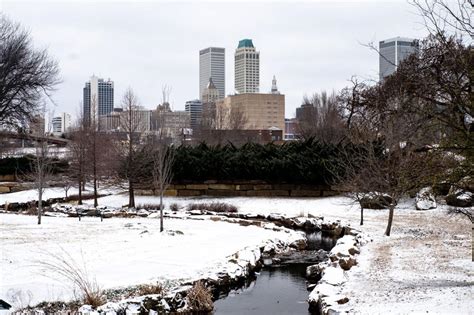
(299, 244)
(345, 247)
(425, 199)
(314, 272)
(343, 300)
(346, 263)
(333, 276)
(375, 200)
(460, 198)
(143, 213)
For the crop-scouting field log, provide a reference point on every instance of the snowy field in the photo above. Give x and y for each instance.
(424, 267)
(118, 252)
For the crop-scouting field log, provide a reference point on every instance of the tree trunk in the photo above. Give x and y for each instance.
(96, 203)
(390, 219)
(79, 201)
(161, 210)
(40, 204)
(361, 215)
(131, 195)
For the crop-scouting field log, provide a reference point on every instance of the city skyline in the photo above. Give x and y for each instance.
(312, 53)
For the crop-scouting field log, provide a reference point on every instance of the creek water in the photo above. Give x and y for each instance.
(278, 289)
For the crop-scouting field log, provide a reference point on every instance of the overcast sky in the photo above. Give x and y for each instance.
(308, 46)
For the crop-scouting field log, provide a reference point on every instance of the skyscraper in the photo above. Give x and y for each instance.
(247, 67)
(194, 107)
(98, 98)
(392, 52)
(212, 65)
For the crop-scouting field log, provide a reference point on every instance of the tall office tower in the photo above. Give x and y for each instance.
(392, 52)
(61, 123)
(194, 108)
(247, 67)
(98, 98)
(212, 65)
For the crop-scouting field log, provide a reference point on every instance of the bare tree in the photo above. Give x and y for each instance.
(78, 149)
(98, 150)
(237, 119)
(41, 167)
(26, 75)
(162, 154)
(443, 16)
(132, 123)
(320, 118)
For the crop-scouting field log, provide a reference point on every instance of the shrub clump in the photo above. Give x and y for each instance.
(145, 289)
(150, 206)
(174, 207)
(199, 298)
(214, 207)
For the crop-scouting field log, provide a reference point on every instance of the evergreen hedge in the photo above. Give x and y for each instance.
(298, 162)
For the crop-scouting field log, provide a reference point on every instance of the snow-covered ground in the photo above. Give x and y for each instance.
(424, 266)
(118, 252)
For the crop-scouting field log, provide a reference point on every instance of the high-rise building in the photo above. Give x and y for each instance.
(212, 65)
(194, 108)
(98, 98)
(392, 51)
(61, 123)
(247, 68)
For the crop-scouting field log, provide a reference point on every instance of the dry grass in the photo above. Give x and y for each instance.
(213, 206)
(65, 267)
(145, 289)
(200, 298)
(150, 206)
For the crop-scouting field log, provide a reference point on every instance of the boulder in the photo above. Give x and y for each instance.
(460, 198)
(425, 199)
(333, 276)
(346, 263)
(375, 200)
(143, 213)
(314, 272)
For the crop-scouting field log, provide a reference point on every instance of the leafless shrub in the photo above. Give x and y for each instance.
(64, 266)
(150, 206)
(145, 289)
(20, 299)
(174, 207)
(213, 206)
(200, 298)
(466, 212)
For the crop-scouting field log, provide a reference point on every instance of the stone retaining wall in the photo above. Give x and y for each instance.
(248, 189)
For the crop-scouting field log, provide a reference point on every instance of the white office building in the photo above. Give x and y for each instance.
(392, 51)
(212, 65)
(61, 124)
(247, 68)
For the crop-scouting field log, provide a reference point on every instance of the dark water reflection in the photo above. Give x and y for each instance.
(279, 290)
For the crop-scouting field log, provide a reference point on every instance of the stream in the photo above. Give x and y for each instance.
(280, 287)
